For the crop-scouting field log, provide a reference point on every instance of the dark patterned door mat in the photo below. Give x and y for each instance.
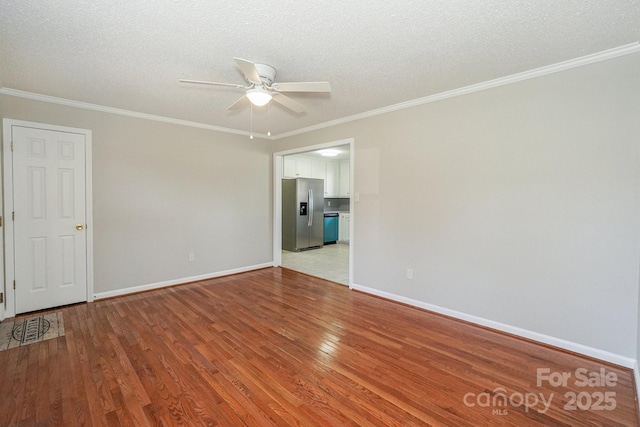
(26, 330)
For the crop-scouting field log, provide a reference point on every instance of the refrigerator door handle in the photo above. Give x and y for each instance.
(310, 221)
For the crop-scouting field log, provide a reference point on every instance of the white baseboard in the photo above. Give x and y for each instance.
(159, 285)
(606, 356)
(636, 373)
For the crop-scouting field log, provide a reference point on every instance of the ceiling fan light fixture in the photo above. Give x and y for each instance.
(262, 87)
(259, 97)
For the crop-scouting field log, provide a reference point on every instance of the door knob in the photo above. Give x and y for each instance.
(79, 226)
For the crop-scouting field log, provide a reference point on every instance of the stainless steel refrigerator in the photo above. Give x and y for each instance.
(302, 213)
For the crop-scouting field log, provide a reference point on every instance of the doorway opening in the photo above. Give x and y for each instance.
(332, 260)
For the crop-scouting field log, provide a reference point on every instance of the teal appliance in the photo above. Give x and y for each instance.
(330, 228)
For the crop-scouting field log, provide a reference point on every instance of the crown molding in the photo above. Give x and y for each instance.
(119, 111)
(514, 78)
(542, 71)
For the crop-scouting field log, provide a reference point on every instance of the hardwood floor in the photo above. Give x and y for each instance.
(276, 347)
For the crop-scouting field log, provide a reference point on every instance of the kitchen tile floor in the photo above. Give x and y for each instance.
(329, 262)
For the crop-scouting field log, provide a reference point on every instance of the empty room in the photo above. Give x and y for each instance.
(393, 213)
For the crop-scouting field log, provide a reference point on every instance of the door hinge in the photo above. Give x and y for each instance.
(11, 145)
(13, 216)
(1, 298)
(0, 221)
(14, 284)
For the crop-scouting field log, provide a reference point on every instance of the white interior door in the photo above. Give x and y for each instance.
(50, 217)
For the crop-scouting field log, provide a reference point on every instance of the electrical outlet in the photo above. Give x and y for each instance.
(329, 203)
(409, 273)
(192, 257)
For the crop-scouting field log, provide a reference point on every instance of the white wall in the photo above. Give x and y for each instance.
(162, 190)
(518, 204)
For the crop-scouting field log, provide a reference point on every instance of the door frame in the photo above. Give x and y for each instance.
(277, 197)
(8, 242)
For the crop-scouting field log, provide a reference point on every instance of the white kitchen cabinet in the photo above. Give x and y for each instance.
(343, 227)
(296, 167)
(336, 174)
(289, 167)
(345, 179)
(303, 167)
(318, 169)
(332, 182)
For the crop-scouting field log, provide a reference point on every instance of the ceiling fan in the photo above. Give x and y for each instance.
(261, 88)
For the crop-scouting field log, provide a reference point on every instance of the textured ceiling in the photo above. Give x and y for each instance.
(129, 54)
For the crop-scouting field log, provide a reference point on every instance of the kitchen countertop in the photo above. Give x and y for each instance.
(335, 212)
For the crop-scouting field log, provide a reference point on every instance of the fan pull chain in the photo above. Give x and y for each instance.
(251, 135)
(268, 121)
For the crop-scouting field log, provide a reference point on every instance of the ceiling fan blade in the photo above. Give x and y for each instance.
(237, 104)
(287, 102)
(249, 70)
(302, 87)
(200, 82)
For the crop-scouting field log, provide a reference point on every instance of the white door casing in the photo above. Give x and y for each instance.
(2, 284)
(47, 195)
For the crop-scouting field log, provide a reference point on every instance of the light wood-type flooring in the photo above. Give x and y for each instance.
(277, 347)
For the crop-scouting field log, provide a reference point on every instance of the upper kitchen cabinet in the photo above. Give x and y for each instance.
(332, 183)
(318, 169)
(334, 172)
(296, 167)
(289, 167)
(345, 179)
